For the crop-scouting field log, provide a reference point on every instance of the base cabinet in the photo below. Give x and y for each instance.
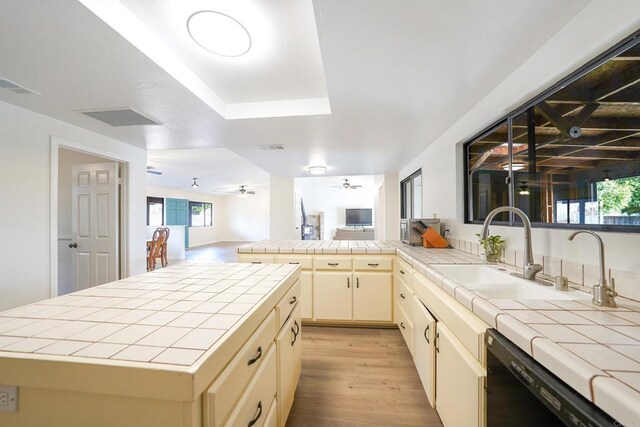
(424, 350)
(460, 380)
(289, 350)
(372, 297)
(306, 281)
(332, 296)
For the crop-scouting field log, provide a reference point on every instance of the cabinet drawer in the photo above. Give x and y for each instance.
(404, 271)
(254, 403)
(272, 415)
(468, 328)
(257, 258)
(287, 303)
(404, 295)
(406, 327)
(225, 391)
(372, 264)
(331, 263)
(306, 262)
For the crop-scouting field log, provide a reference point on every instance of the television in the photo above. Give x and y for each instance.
(358, 217)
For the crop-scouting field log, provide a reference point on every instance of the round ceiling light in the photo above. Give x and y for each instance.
(219, 33)
(317, 170)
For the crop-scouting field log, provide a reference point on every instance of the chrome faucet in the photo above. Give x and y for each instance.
(530, 269)
(602, 294)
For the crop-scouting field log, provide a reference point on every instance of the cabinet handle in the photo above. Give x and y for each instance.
(294, 263)
(402, 296)
(332, 264)
(255, 359)
(348, 283)
(295, 322)
(257, 417)
(372, 264)
(426, 332)
(401, 271)
(436, 341)
(295, 336)
(357, 282)
(256, 262)
(402, 325)
(293, 300)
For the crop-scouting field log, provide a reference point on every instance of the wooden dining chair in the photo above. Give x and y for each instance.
(155, 253)
(165, 258)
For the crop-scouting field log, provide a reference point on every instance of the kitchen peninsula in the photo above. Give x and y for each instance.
(193, 344)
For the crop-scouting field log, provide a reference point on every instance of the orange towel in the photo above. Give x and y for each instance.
(433, 238)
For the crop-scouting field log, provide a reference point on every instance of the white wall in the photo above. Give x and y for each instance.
(282, 209)
(319, 195)
(66, 160)
(198, 236)
(598, 27)
(391, 207)
(25, 182)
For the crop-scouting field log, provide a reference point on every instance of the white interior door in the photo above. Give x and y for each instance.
(94, 224)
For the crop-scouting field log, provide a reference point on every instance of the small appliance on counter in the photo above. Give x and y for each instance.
(409, 233)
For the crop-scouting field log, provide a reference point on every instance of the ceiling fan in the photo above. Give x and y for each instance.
(347, 185)
(153, 171)
(242, 191)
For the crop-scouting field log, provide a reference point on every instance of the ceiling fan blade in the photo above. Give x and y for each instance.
(251, 192)
(152, 172)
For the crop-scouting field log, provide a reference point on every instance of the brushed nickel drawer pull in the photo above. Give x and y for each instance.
(375, 264)
(332, 264)
(255, 359)
(257, 417)
(294, 262)
(256, 262)
(293, 300)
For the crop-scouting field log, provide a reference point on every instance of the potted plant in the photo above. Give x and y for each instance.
(493, 246)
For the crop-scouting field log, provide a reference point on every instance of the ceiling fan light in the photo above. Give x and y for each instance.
(317, 170)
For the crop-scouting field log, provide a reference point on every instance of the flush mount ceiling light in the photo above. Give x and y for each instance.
(219, 33)
(317, 170)
(195, 183)
(514, 166)
(524, 189)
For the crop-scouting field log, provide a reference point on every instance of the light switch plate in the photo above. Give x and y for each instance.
(8, 398)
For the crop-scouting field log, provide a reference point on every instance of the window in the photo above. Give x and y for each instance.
(411, 196)
(155, 211)
(201, 214)
(569, 158)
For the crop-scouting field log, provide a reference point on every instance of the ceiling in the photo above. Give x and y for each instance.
(219, 171)
(397, 75)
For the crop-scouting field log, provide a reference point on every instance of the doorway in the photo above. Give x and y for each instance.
(89, 219)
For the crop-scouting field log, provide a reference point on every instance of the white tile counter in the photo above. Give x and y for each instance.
(595, 350)
(178, 325)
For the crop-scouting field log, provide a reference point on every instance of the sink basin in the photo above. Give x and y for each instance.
(495, 282)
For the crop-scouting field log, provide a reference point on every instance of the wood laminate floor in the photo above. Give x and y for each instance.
(221, 251)
(358, 377)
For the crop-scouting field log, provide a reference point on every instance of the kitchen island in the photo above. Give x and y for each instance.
(193, 344)
(594, 350)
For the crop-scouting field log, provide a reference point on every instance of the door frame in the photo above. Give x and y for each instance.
(125, 206)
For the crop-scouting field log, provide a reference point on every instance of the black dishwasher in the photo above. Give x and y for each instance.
(521, 392)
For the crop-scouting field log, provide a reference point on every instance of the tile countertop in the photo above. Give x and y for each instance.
(595, 350)
(176, 321)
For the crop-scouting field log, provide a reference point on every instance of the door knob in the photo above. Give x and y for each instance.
(73, 245)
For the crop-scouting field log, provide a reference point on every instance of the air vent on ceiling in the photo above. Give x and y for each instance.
(274, 147)
(121, 117)
(14, 87)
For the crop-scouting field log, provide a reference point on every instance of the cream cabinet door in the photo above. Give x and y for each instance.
(424, 351)
(289, 349)
(332, 296)
(460, 394)
(372, 297)
(306, 280)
